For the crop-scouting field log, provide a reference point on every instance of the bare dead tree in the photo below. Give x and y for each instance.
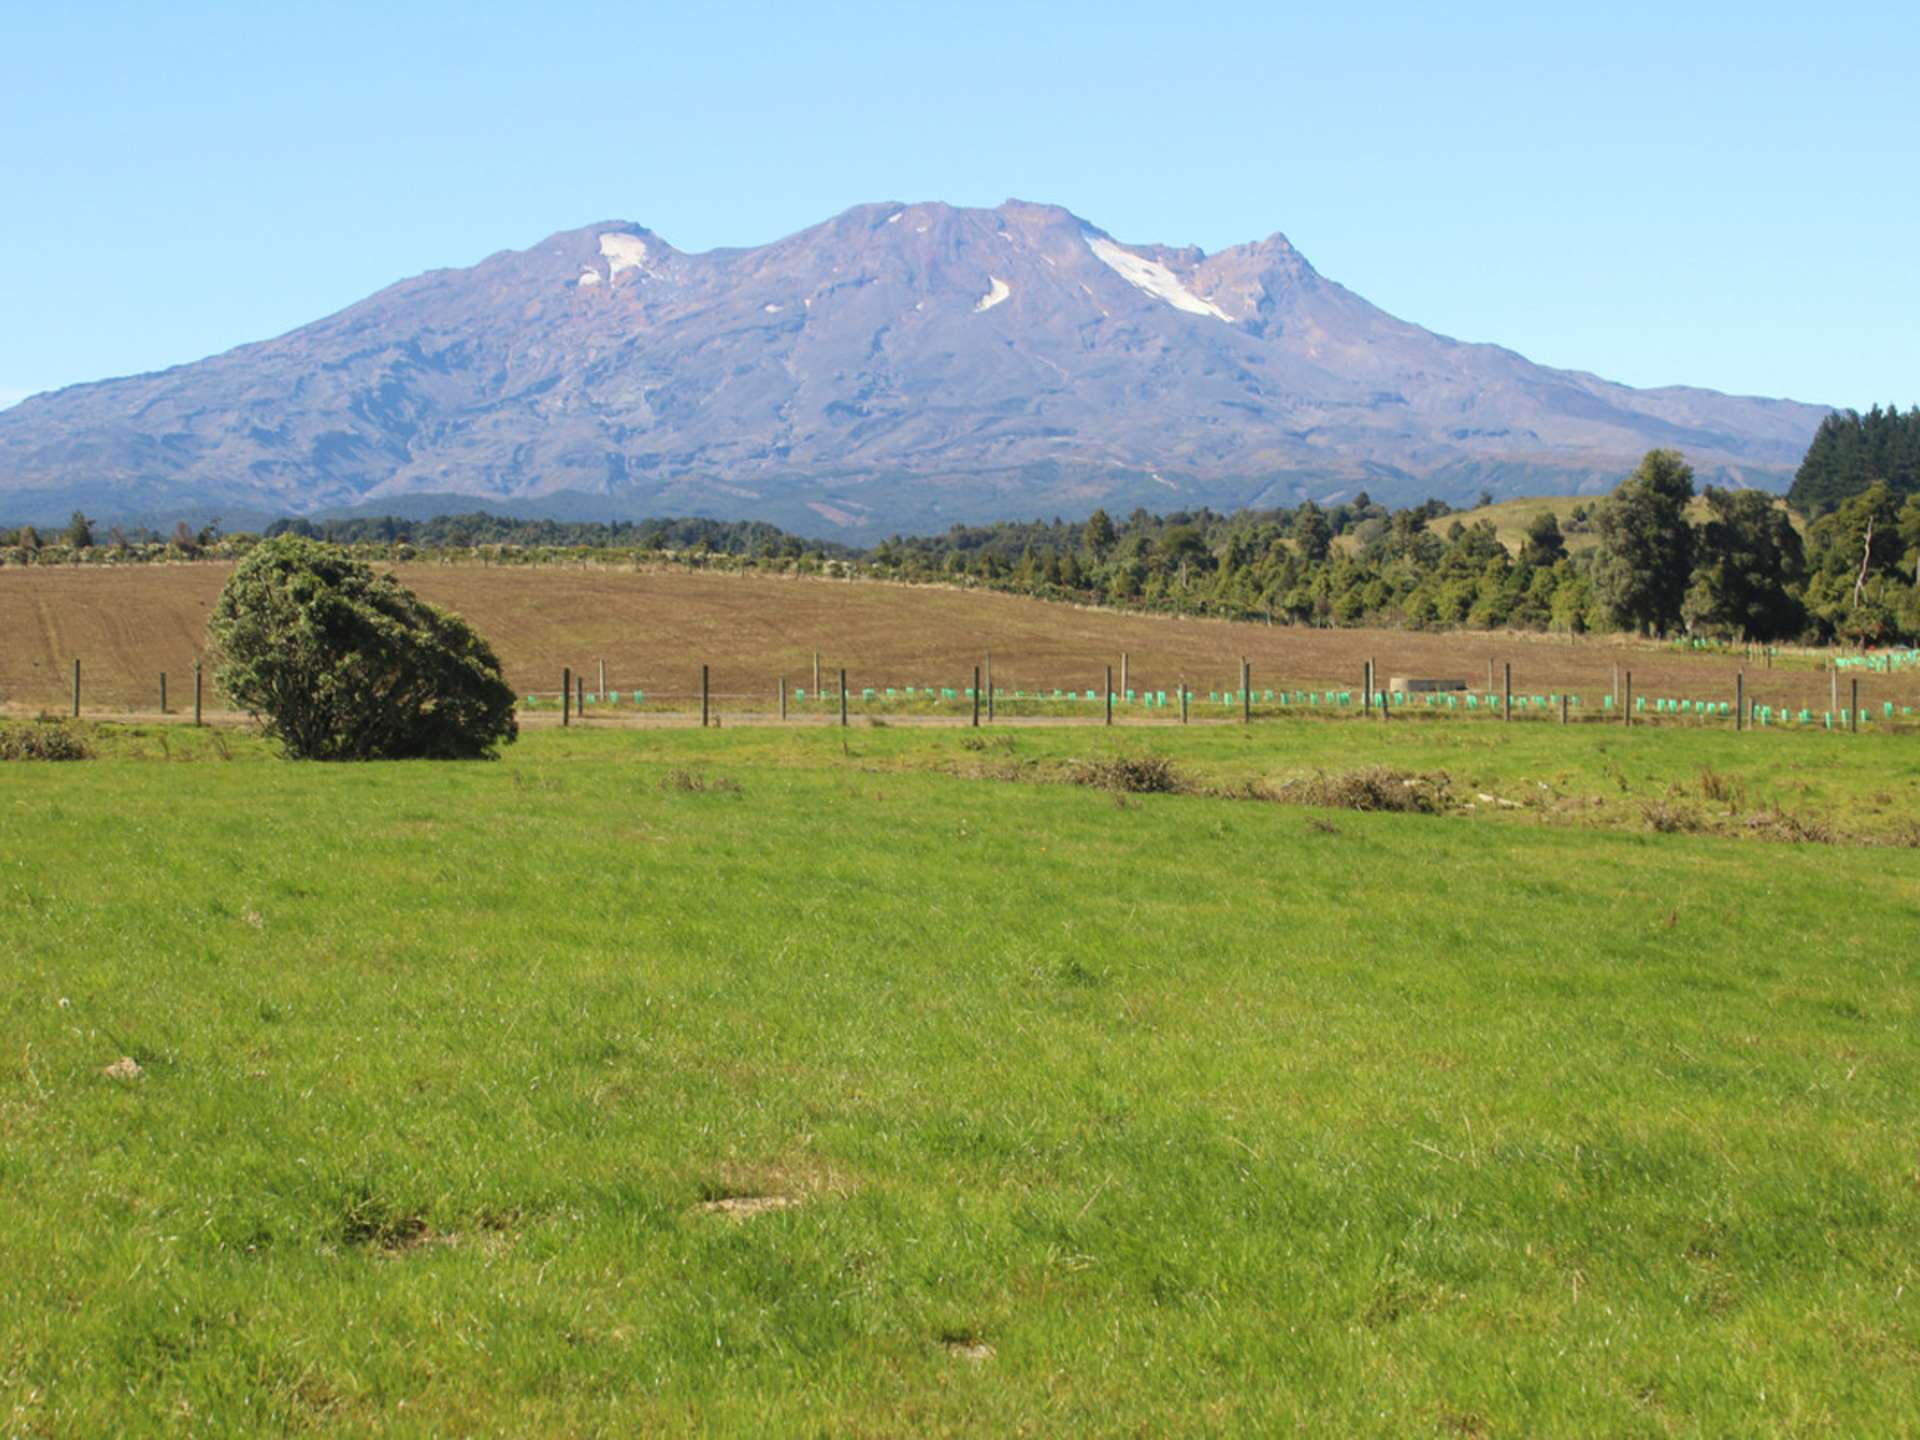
(1866, 554)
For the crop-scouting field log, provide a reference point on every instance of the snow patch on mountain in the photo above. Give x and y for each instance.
(588, 276)
(623, 252)
(996, 292)
(1153, 278)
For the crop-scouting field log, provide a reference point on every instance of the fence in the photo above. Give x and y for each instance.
(1103, 704)
(1885, 662)
(832, 695)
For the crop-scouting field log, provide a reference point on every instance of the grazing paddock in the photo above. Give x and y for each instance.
(898, 1081)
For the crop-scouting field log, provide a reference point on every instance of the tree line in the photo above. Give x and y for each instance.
(1741, 572)
(462, 532)
(441, 532)
(1733, 567)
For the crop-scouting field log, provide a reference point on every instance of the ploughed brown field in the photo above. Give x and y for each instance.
(655, 628)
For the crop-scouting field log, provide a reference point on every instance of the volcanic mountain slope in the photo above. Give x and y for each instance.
(898, 367)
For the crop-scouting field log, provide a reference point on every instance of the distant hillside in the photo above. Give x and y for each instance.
(898, 368)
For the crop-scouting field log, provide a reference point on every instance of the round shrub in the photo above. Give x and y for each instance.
(339, 663)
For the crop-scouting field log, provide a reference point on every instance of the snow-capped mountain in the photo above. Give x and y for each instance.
(899, 367)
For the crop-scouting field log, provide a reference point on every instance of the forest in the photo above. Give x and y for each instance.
(1655, 557)
(1851, 451)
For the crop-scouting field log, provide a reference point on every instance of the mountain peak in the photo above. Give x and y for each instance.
(900, 365)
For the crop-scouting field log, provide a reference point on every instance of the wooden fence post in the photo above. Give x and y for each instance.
(603, 677)
(1566, 708)
(1246, 692)
(566, 696)
(163, 692)
(816, 674)
(1506, 706)
(843, 699)
(1123, 672)
(703, 697)
(976, 697)
(783, 697)
(1366, 689)
(1853, 711)
(1739, 700)
(196, 692)
(1109, 694)
(1626, 708)
(1183, 700)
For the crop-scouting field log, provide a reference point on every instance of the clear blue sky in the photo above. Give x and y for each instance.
(1708, 193)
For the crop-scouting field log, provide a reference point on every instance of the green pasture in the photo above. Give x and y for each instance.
(884, 1081)
(1510, 518)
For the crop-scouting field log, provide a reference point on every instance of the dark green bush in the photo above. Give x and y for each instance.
(339, 663)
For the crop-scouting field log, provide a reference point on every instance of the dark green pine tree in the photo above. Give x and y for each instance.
(1850, 451)
(1100, 534)
(1313, 533)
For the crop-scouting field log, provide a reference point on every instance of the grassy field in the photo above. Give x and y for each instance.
(655, 629)
(886, 1082)
(1512, 517)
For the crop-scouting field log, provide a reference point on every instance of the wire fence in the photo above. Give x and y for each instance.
(1109, 704)
(838, 695)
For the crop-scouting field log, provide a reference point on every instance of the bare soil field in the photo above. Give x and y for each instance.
(654, 629)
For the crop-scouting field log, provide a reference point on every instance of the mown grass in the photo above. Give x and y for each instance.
(1140, 1114)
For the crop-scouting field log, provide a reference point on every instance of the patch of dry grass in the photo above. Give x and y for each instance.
(1131, 775)
(1373, 788)
(43, 740)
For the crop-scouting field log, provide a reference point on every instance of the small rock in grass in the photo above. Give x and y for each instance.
(125, 1068)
